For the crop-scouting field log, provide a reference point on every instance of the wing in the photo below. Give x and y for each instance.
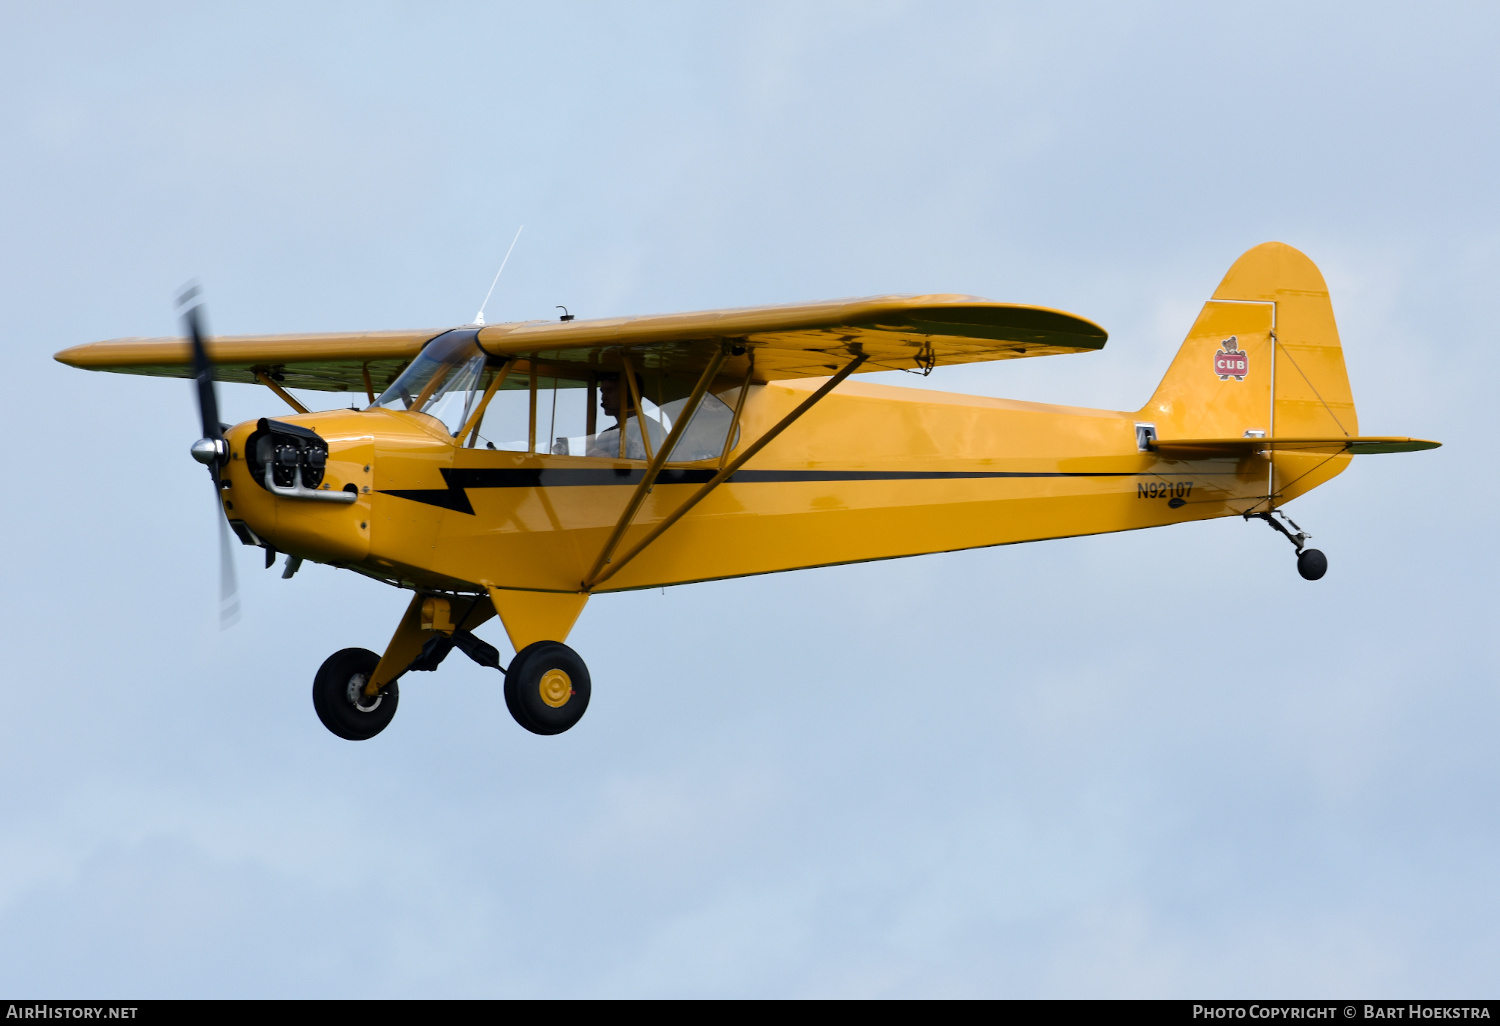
(768, 342)
(328, 362)
(1209, 448)
(808, 339)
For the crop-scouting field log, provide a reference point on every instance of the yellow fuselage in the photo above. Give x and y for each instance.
(871, 472)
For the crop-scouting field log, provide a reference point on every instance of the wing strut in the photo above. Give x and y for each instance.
(640, 413)
(659, 459)
(262, 374)
(471, 426)
(599, 576)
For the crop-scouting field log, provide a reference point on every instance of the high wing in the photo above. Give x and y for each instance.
(325, 361)
(1209, 448)
(809, 340)
(767, 342)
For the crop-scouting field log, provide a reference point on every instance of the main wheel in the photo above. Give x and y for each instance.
(1311, 564)
(340, 700)
(547, 687)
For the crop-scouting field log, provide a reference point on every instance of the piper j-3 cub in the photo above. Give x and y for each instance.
(480, 476)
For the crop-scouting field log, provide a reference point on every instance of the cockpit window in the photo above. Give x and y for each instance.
(440, 381)
(706, 433)
(702, 439)
(529, 411)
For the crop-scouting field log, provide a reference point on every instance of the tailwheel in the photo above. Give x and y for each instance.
(547, 687)
(1311, 564)
(340, 700)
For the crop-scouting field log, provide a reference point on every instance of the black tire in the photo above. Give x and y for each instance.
(535, 685)
(1311, 564)
(338, 695)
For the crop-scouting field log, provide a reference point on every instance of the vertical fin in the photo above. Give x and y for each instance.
(1274, 303)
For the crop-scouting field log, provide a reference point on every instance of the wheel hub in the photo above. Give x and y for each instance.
(556, 688)
(357, 696)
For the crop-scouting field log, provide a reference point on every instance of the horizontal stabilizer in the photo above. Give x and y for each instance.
(1209, 448)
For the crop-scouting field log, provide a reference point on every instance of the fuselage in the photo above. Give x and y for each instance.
(871, 472)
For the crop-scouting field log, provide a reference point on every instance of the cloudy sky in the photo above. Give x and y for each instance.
(1154, 764)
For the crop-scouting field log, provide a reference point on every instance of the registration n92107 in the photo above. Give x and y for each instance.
(1163, 489)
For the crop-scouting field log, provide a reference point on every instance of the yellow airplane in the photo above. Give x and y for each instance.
(478, 477)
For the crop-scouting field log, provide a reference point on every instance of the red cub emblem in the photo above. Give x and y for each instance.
(1231, 361)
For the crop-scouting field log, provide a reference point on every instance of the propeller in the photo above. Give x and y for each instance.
(212, 450)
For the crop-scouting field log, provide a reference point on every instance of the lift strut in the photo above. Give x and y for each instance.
(609, 569)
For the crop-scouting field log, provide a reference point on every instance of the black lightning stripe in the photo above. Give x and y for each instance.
(455, 496)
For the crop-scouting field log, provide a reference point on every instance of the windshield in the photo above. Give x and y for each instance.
(441, 381)
(531, 412)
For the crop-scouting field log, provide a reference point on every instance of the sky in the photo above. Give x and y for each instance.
(1155, 764)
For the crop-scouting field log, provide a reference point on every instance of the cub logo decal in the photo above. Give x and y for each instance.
(1231, 361)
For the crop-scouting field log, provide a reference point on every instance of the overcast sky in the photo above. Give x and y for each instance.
(1154, 764)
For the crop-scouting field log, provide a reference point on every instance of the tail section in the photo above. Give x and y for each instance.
(1263, 360)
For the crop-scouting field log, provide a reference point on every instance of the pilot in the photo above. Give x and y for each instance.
(614, 400)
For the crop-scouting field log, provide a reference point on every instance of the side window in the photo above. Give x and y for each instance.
(563, 420)
(607, 441)
(561, 417)
(706, 433)
(507, 418)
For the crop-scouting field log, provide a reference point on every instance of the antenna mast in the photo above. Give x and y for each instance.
(479, 317)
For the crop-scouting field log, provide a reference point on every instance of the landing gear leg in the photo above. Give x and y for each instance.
(1311, 563)
(547, 687)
